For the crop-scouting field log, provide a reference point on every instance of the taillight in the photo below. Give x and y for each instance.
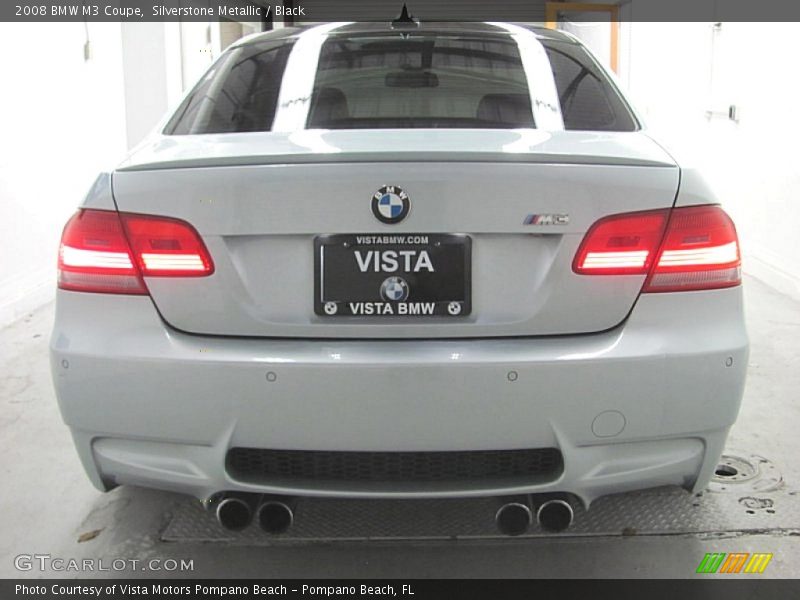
(621, 244)
(166, 247)
(108, 252)
(700, 251)
(687, 248)
(95, 256)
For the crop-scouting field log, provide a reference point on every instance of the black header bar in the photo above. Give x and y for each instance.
(310, 11)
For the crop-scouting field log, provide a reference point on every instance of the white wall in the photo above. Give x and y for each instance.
(678, 71)
(198, 50)
(65, 118)
(144, 69)
(62, 120)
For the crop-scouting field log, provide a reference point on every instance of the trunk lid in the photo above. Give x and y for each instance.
(259, 200)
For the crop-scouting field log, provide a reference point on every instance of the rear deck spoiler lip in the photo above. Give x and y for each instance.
(373, 157)
(634, 149)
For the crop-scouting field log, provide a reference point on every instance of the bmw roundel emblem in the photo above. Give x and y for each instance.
(394, 289)
(390, 204)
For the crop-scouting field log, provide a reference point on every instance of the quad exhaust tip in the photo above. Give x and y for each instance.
(513, 518)
(234, 514)
(555, 515)
(275, 517)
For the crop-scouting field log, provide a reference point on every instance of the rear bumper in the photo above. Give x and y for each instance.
(646, 404)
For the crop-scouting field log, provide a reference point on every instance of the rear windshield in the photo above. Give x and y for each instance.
(424, 81)
(386, 81)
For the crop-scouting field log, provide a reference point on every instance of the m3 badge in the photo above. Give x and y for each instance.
(547, 219)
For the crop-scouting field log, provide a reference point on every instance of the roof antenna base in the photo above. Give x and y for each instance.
(405, 20)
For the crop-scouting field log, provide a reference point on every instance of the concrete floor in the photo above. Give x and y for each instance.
(48, 503)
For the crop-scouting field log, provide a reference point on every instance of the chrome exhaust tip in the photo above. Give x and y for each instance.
(513, 518)
(275, 516)
(234, 513)
(555, 515)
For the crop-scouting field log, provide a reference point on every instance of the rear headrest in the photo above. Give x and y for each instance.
(330, 104)
(508, 109)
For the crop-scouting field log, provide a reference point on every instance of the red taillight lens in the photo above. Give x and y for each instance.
(107, 252)
(166, 247)
(700, 252)
(95, 256)
(621, 244)
(688, 248)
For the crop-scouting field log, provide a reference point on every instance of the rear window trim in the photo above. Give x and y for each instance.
(609, 80)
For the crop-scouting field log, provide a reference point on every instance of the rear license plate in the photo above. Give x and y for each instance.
(405, 275)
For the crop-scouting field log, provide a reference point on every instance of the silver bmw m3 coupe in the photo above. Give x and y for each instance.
(428, 260)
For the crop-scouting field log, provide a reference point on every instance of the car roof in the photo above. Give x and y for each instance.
(432, 27)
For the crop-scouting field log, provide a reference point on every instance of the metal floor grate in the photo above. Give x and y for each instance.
(764, 504)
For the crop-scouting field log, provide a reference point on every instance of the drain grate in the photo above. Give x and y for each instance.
(740, 472)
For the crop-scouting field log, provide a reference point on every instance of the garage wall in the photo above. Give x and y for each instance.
(144, 72)
(62, 118)
(70, 110)
(685, 77)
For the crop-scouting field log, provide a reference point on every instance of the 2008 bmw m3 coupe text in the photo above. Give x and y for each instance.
(436, 262)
